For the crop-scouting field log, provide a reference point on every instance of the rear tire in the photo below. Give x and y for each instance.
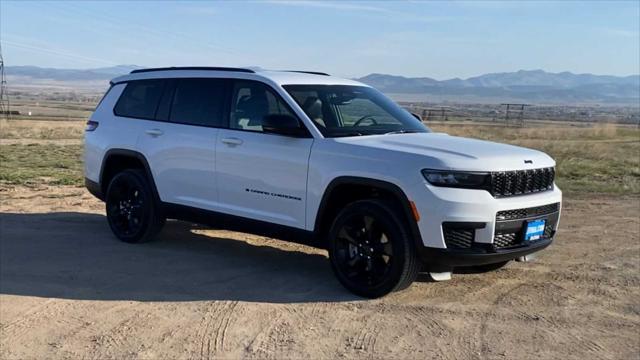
(370, 250)
(131, 207)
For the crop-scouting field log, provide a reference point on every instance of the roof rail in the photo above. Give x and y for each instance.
(211, 68)
(308, 72)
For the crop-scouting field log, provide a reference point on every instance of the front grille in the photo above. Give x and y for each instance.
(527, 212)
(519, 182)
(458, 238)
(506, 240)
(510, 224)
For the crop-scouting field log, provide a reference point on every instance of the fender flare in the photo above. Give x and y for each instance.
(382, 184)
(133, 154)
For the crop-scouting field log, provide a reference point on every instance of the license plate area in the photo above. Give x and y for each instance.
(534, 230)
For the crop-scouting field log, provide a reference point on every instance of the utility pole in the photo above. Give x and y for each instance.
(4, 97)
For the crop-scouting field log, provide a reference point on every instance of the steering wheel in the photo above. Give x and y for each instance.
(364, 118)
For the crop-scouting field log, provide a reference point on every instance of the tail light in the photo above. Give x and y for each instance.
(91, 125)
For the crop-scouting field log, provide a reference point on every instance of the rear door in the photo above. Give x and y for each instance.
(261, 176)
(180, 146)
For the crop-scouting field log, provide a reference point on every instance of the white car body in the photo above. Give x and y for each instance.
(221, 169)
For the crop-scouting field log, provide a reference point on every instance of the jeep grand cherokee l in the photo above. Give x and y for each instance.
(308, 157)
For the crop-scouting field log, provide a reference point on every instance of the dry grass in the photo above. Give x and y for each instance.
(41, 130)
(603, 132)
(52, 109)
(599, 159)
(602, 159)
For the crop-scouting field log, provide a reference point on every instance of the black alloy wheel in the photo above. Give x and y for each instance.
(370, 250)
(131, 209)
(363, 250)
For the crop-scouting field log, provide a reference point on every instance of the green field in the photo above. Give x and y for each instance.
(34, 164)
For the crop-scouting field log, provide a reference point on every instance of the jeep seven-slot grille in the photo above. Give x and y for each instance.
(458, 238)
(528, 212)
(519, 182)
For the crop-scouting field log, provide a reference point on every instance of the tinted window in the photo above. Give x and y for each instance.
(198, 102)
(164, 107)
(341, 110)
(140, 99)
(251, 102)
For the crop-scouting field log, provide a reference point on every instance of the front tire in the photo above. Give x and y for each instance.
(370, 250)
(132, 212)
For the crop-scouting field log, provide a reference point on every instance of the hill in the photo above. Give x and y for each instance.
(530, 86)
(536, 86)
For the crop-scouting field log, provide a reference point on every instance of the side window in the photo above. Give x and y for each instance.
(251, 102)
(162, 114)
(312, 106)
(198, 102)
(140, 99)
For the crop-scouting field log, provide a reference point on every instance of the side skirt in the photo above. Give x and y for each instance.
(241, 224)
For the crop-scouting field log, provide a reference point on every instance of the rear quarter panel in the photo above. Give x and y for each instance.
(113, 132)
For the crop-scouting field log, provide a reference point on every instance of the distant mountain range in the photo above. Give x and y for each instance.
(38, 73)
(536, 86)
(533, 86)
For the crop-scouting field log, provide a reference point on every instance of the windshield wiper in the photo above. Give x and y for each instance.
(351, 133)
(402, 132)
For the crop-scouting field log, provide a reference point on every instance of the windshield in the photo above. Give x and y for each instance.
(343, 110)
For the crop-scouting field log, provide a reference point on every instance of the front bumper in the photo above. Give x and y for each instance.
(463, 227)
(445, 259)
(438, 206)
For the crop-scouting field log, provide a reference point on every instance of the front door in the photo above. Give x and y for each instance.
(261, 176)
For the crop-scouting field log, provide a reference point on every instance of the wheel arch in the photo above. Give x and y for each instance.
(356, 188)
(116, 160)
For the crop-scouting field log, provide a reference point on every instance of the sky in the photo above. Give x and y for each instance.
(438, 39)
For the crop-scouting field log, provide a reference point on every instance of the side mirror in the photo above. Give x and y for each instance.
(282, 125)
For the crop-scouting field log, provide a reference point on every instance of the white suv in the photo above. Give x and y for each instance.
(308, 157)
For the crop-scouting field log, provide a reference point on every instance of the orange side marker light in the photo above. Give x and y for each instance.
(416, 214)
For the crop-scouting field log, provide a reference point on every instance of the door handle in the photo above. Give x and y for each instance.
(232, 141)
(154, 132)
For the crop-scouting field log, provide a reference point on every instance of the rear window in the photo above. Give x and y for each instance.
(140, 99)
(199, 102)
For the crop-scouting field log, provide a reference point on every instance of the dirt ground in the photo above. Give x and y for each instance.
(69, 289)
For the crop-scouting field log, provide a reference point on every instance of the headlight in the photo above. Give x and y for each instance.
(457, 179)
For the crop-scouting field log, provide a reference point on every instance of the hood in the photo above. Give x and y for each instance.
(444, 152)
